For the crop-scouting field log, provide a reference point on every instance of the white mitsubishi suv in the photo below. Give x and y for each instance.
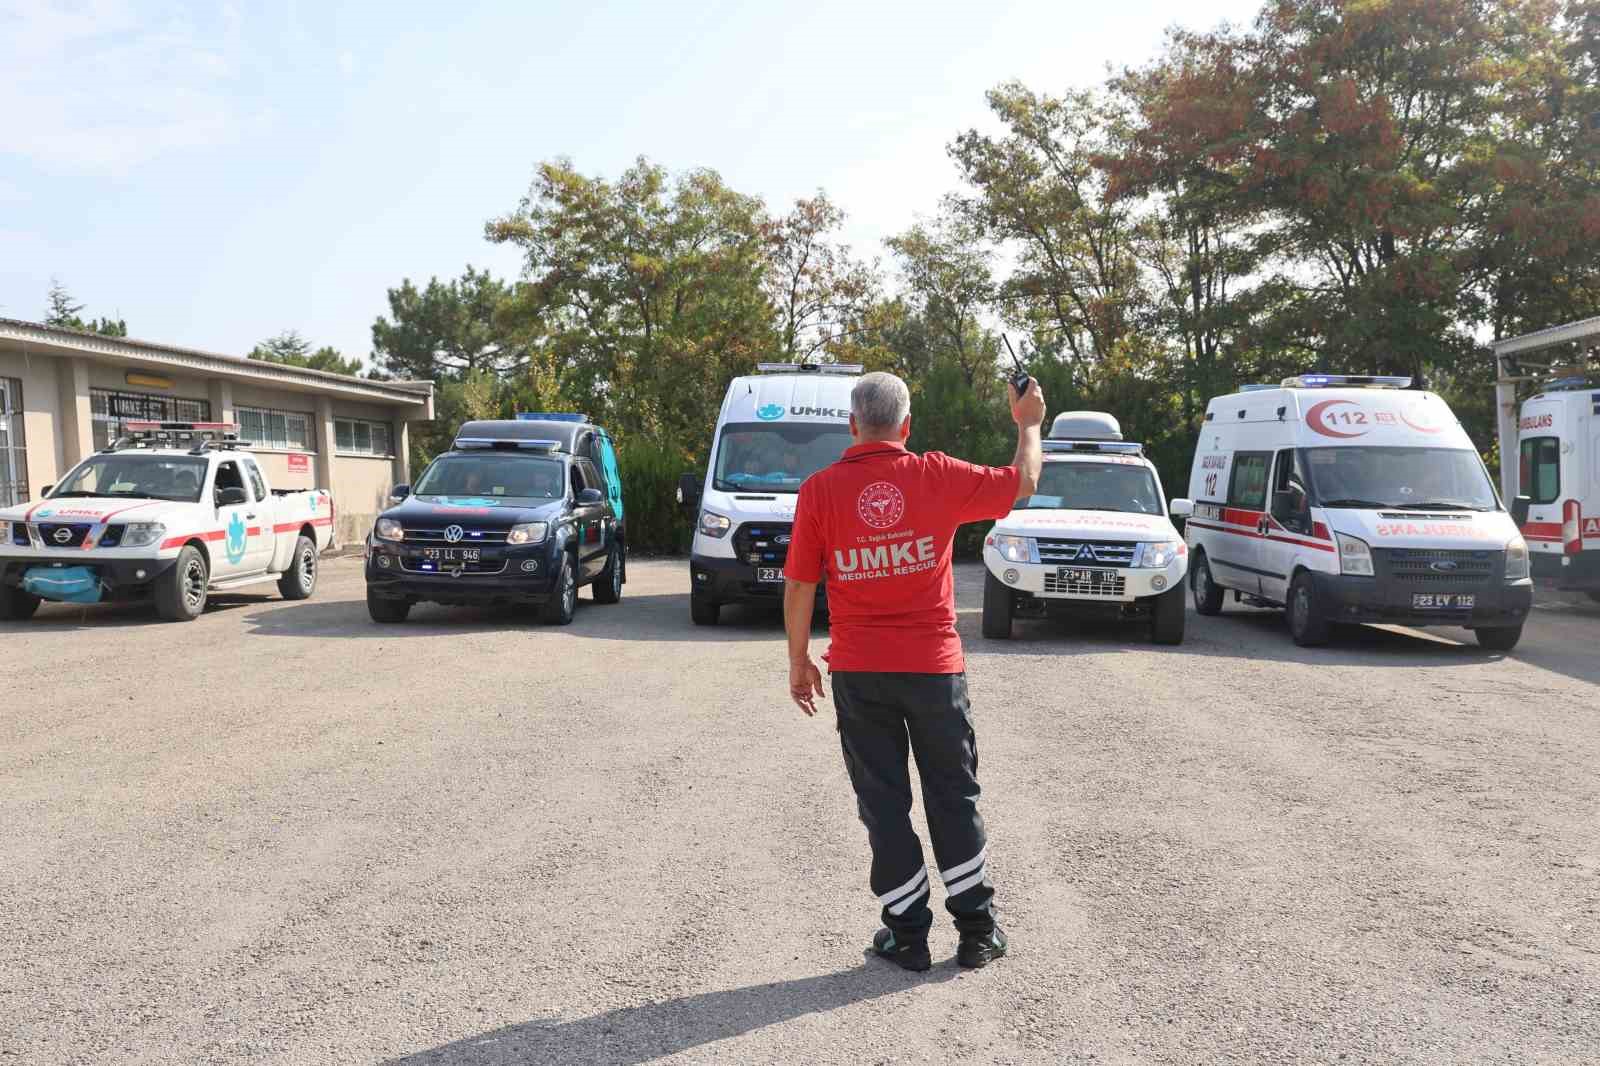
(1094, 540)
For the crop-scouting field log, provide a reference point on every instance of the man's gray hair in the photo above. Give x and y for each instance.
(880, 402)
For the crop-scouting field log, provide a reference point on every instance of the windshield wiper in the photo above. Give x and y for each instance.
(1371, 504)
(1439, 505)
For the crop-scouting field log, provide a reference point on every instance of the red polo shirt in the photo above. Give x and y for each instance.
(879, 523)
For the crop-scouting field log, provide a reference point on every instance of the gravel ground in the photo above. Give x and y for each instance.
(282, 834)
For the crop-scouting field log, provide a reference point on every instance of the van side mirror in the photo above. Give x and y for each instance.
(1519, 510)
(689, 492)
(231, 495)
(399, 492)
(45, 491)
(1181, 508)
(587, 497)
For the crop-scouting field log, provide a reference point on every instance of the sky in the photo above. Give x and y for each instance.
(215, 173)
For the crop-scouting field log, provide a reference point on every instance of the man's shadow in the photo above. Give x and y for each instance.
(631, 1035)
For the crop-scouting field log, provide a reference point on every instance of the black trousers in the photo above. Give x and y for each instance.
(882, 718)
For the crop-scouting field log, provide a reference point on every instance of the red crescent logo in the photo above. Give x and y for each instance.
(1315, 415)
(1424, 428)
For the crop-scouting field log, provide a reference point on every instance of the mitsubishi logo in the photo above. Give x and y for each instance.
(62, 535)
(453, 534)
(1086, 551)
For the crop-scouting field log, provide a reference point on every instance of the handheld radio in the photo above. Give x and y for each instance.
(1019, 379)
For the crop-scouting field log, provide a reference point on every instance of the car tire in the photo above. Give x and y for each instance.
(703, 612)
(998, 604)
(1499, 638)
(387, 610)
(608, 583)
(1207, 593)
(300, 580)
(16, 604)
(1307, 625)
(562, 606)
(182, 591)
(1168, 612)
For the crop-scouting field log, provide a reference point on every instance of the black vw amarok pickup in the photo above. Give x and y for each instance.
(517, 512)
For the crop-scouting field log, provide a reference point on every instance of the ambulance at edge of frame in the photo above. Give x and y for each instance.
(1558, 470)
(1351, 499)
(169, 513)
(1094, 540)
(776, 428)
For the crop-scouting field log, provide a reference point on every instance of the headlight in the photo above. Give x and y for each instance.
(714, 525)
(1156, 555)
(528, 533)
(1013, 549)
(390, 529)
(1355, 556)
(142, 534)
(1516, 559)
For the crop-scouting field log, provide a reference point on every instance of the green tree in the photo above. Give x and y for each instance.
(821, 296)
(448, 330)
(63, 314)
(290, 348)
(947, 271)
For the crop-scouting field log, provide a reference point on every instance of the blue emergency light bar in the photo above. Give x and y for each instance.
(1121, 447)
(1365, 381)
(551, 416)
(508, 442)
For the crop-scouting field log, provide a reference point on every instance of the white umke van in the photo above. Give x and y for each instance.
(1093, 539)
(1351, 499)
(776, 429)
(1558, 446)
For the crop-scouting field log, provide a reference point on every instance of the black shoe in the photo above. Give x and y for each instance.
(906, 954)
(978, 950)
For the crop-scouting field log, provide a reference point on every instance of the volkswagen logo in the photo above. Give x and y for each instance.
(1444, 566)
(453, 534)
(62, 535)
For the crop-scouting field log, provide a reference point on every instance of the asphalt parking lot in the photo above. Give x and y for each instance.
(282, 834)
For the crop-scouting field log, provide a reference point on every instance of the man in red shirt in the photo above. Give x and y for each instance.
(878, 524)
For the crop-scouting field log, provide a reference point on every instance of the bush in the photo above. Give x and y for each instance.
(650, 473)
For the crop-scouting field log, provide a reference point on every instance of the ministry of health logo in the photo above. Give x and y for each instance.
(881, 505)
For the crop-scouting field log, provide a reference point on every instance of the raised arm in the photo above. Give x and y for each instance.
(1027, 411)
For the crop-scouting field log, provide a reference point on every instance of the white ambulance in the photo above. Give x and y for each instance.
(776, 429)
(1351, 499)
(1558, 470)
(1094, 539)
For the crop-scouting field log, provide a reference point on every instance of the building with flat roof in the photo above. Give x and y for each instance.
(65, 393)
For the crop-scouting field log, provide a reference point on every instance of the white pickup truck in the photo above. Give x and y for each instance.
(170, 513)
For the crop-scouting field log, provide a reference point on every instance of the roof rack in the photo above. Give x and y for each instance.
(1365, 381)
(551, 416)
(508, 443)
(1120, 447)
(809, 368)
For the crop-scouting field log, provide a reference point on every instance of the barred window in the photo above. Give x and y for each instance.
(357, 436)
(268, 428)
(112, 409)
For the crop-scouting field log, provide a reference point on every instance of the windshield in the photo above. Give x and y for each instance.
(769, 457)
(1079, 486)
(1399, 478)
(498, 475)
(143, 477)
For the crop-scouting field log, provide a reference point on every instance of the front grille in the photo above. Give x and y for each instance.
(1440, 566)
(50, 534)
(469, 535)
(763, 543)
(1057, 552)
(1059, 582)
(423, 566)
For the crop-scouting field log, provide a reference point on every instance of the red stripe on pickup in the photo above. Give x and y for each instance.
(178, 542)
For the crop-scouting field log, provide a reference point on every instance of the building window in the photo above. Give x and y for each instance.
(288, 431)
(357, 436)
(113, 409)
(13, 445)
